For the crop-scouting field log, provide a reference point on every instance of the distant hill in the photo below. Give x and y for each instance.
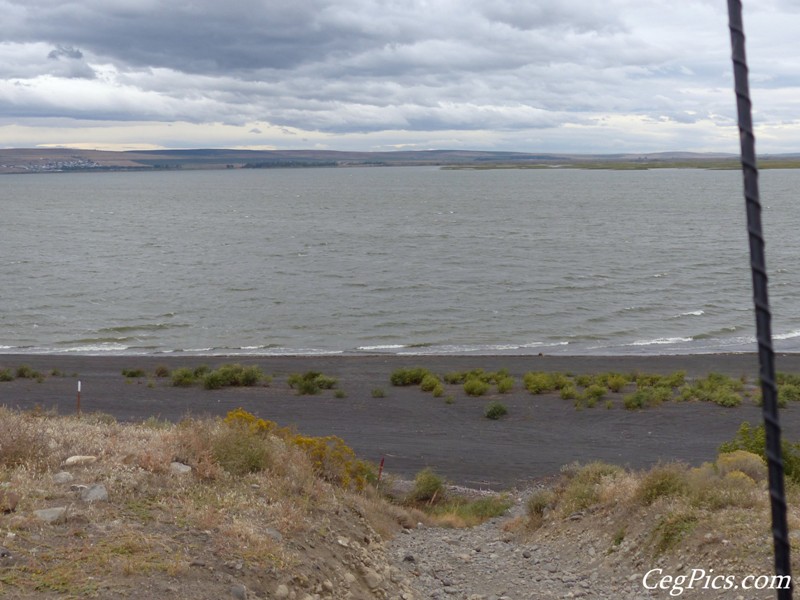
(27, 160)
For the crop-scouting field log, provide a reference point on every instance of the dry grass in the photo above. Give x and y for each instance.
(718, 510)
(255, 496)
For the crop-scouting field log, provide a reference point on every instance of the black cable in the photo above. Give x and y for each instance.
(766, 354)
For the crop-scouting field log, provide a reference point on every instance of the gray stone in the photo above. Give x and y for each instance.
(63, 477)
(178, 468)
(95, 493)
(372, 578)
(51, 515)
(281, 592)
(239, 591)
(74, 461)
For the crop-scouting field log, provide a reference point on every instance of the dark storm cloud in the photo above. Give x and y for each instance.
(347, 66)
(66, 52)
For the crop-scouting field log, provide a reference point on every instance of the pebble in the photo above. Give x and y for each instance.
(178, 468)
(74, 461)
(486, 563)
(63, 477)
(51, 515)
(95, 493)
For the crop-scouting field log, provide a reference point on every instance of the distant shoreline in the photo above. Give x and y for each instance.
(60, 160)
(411, 429)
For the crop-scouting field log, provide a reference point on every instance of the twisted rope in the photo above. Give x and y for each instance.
(766, 354)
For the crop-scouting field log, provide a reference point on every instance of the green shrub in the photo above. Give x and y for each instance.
(539, 382)
(240, 451)
(200, 371)
(505, 385)
(183, 377)
(569, 392)
(660, 482)
(326, 382)
(310, 382)
(788, 392)
(787, 378)
(162, 371)
(616, 381)
(584, 380)
(428, 486)
(742, 461)
(495, 410)
(26, 372)
(214, 380)
(429, 382)
(647, 396)
(671, 529)
(595, 392)
(378, 393)
(475, 387)
(408, 376)
(306, 387)
(636, 400)
(725, 397)
(581, 489)
(754, 440)
(133, 373)
(339, 394)
(438, 390)
(540, 501)
(455, 377)
(232, 375)
(6, 375)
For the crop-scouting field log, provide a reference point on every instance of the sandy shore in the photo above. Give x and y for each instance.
(412, 429)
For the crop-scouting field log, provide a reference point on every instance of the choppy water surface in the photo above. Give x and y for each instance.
(400, 260)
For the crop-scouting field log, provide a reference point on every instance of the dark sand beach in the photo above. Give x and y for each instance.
(411, 429)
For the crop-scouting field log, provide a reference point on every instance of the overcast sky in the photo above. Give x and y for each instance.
(524, 75)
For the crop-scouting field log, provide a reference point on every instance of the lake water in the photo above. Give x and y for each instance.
(397, 260)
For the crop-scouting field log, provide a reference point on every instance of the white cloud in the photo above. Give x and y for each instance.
(552, 75)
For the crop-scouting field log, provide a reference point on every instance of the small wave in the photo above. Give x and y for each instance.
(660, 341)
(145, 327)
(692, 313)
(788, 336)
(381, 347)
(99, 340)
(94, 348)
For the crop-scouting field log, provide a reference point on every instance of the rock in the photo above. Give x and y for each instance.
(526, 554)
(74, 461)
(8, 501)
(372, 579)
(349, 578)
(281, 592)
(4, 553)
(239, 591)
(409, 558)
(274, 534)
(63, 477)
(178, 468)
(95, 493)
(51, 516)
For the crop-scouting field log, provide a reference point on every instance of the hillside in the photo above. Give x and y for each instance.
(26, 160)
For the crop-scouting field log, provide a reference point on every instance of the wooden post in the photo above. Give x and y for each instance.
(78, 401)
